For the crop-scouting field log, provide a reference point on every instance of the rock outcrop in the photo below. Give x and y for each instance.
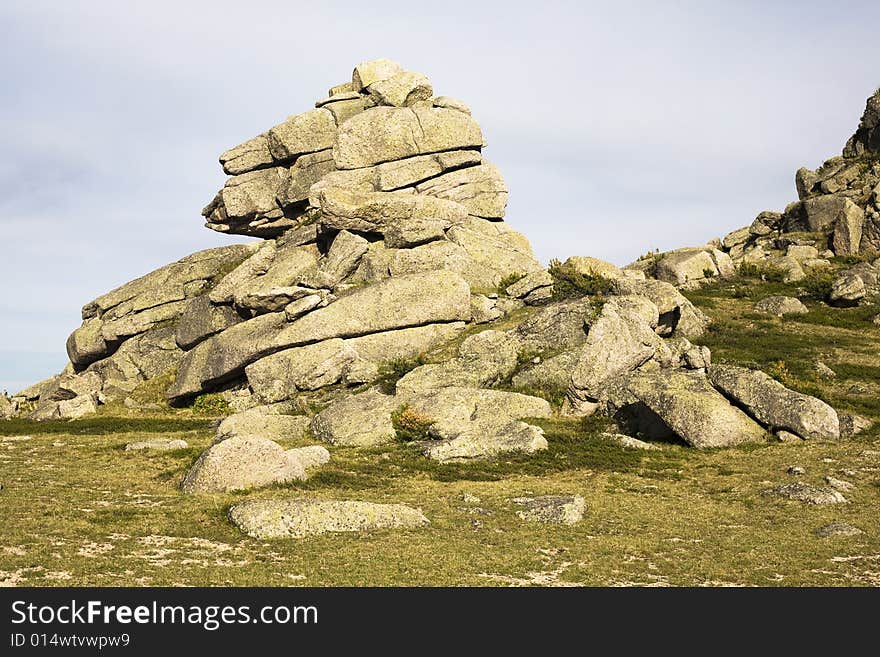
(386, 299)
(837, 213)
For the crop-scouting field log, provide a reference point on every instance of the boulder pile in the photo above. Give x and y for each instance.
(387, 299)
(837, 214)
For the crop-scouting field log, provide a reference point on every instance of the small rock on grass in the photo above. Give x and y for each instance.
(299, 518)
(807, 493)
(796, 471)
(788, 437)
(158, 445)
(553, 509)
(628, 442)
(839, 484)
(852, 424)
(838, 529)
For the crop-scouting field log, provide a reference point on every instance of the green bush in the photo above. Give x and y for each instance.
(708, 273)
(818, 284)
(210, 404)
(568, 283)
(768, 273)
(394, 370)
(410, 425)
(509, 280)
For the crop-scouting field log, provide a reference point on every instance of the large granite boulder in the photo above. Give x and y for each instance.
(774, 405)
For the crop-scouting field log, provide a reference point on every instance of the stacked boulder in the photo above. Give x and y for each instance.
(383, 243)
(132, 334)
(381, 222)
(837, 212)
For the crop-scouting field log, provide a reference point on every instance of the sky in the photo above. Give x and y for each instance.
(620, 127)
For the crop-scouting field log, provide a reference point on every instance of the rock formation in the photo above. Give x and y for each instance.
(837, 214)
(388, 290)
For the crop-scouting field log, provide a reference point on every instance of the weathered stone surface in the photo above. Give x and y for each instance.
(361, 420)
(451, 103)
(678, 316)
(851, 424)
(412, 170)
(305, 172)
(372, 71)
(265, 422)
(529, 283)
(418, 299)
(471, 423)
(405, 343)
(253, 193)
(807, 493)
(376, 212)
(308, 132)
(619, 341)
(341, 260)
(484, 309)
(847, 288)
(481, 189)
(821, 212)
(561, 325)
(694, 410)
(867, 137)
(402, 89)
(493, 256)
(774, 405)
(838, 529)
(628, 442)
(299, 307)
(802, 252)
(551, 509)
(86, 344)
(274, 289)
(848, 229)
(683, 267)
(589, 266)
(157, 445)
(281, 375)
(483, 359)
(225, 354)
(839, 484)
(736, 237)
(552, 374)
(242, 463)
(268, 519)
(141, 304)
(252, 154)
(382, 134)
(512, 437)
(201, 319)
(779, 305)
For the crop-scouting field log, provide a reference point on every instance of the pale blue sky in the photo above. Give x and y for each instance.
(620, 127)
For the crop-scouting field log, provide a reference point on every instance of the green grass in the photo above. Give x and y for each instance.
(78, 509)
(101, 426)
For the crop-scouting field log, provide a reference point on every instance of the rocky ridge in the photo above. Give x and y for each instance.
(388, 299)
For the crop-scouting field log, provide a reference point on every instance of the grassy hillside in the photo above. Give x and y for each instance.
(78, 509)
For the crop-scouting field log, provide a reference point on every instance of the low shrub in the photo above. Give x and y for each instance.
(210, 404)
(568, 283)
(410, 425)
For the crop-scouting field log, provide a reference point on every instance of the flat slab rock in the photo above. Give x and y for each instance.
(158, 445)
(551, 509)
(807, 493)
(838, 529)
(299, 518)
